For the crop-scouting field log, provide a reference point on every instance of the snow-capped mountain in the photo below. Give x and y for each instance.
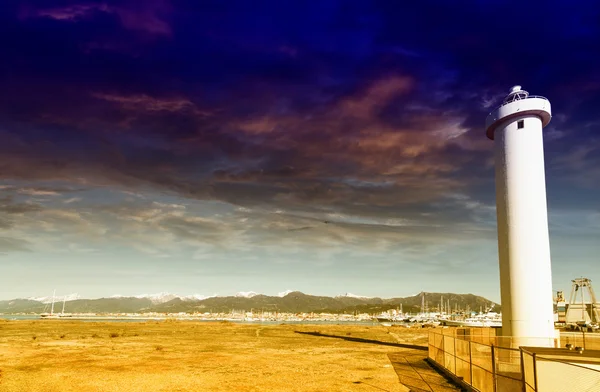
(163, 297)
(57, 298)
(350, 295)
(246, 294)
(197, 297)
(157, 298)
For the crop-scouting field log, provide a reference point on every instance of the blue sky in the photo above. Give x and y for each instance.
(327, 147)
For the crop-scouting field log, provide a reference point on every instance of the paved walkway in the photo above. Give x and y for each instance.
(416, 374)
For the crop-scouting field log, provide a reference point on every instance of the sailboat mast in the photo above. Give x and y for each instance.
(53, 295)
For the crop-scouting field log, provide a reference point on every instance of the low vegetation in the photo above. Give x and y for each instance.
(192, 356)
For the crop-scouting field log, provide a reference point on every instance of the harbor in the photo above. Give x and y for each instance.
(579, 313)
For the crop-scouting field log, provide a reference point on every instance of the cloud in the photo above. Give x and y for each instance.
(376, 96)
(303, 161)
(5, 222)
(147, 18)
(38, 192)
(70, 13)
(575, 223)
(360, 122)
(577, 158)
(8, 244)
(147, 103)
(167, 229)
(194, 229)
(579, 164)
(9, 206)
(159, 229)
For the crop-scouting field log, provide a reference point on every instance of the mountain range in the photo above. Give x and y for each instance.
(286, 302)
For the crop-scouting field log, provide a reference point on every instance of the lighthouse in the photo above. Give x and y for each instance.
(523, 241)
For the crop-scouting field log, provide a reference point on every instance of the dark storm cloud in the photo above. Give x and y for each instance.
(369, 109)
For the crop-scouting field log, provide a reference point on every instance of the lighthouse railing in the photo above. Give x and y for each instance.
(519, 99)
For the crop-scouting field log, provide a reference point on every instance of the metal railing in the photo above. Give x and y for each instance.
(486, 368)
(587, 340)
(544, 373)
(517, 99)
(477, 361)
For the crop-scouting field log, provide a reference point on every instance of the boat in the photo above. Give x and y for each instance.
(489, 319)
(386, 317)
(398, 317)
(63, 314)
(391, 317)
(53, 315)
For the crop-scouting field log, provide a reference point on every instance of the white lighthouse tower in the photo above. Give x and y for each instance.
(523, 240)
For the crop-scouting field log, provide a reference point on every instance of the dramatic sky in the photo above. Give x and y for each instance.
(327, 146)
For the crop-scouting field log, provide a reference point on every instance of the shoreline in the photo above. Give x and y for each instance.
(142, 318)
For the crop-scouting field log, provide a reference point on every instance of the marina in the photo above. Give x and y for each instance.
(580, 313)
